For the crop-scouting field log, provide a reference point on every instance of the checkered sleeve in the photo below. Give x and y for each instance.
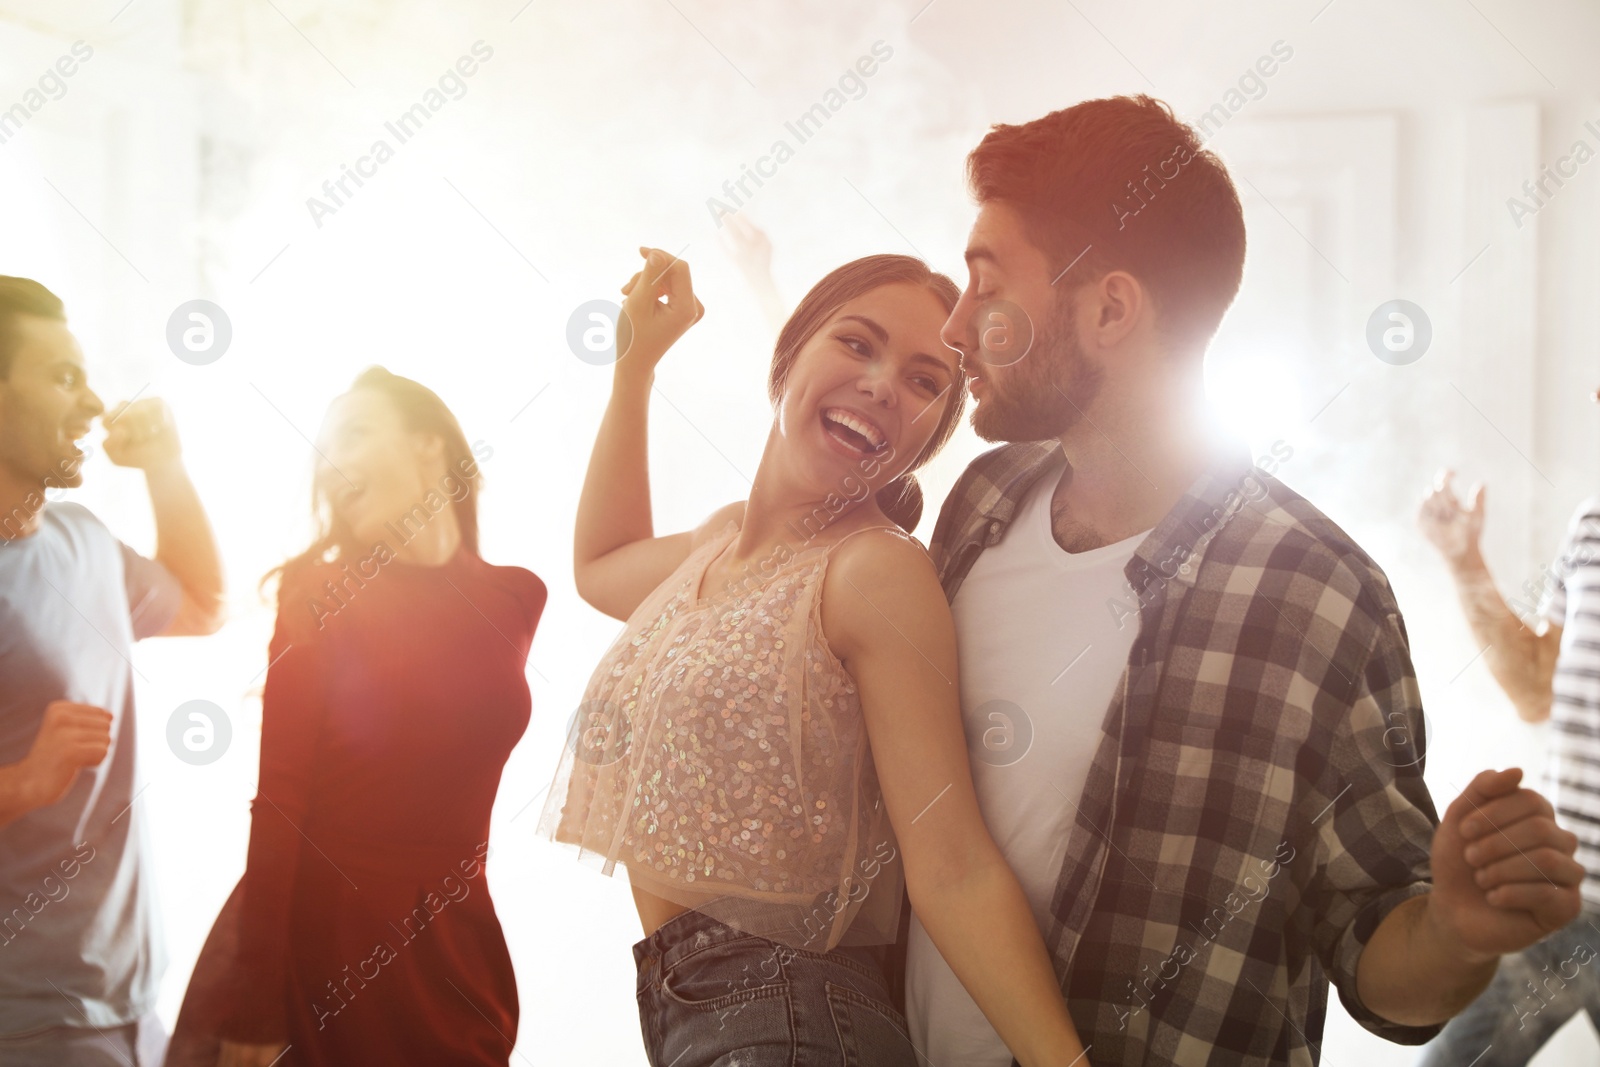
(1373, 818)
(953, 513)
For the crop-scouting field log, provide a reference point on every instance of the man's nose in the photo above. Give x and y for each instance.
(956, 332)
(93, 406)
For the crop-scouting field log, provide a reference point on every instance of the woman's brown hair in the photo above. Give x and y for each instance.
(901, 499)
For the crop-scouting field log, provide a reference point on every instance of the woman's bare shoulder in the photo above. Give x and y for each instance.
(873, 547)
(881, 596)
(879, 569)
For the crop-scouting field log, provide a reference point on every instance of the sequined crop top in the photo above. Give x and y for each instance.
(720, 755)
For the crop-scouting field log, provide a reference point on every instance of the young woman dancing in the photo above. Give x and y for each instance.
(362, 931)
(775, 740)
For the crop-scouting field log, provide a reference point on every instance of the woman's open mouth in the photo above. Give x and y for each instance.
(853, 431)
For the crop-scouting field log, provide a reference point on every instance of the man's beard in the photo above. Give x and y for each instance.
(1046, 392)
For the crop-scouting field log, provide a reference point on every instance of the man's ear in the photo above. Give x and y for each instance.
(1117, 304)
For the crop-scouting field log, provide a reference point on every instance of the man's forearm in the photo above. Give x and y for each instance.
(184, 541)
(1512, 651)
(1413, 973)
(17, 796)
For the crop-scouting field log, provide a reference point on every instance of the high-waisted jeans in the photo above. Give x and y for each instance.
(711, 996)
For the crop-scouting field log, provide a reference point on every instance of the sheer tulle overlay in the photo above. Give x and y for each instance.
(720, 755)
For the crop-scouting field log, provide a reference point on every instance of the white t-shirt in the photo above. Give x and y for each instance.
(80, 944)
(1040, 658)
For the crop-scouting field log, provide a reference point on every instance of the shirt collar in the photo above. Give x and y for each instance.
(1214, 498)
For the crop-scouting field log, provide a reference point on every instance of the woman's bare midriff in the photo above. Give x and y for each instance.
(655, 911)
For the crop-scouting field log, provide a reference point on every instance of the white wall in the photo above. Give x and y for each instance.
(1376, 165)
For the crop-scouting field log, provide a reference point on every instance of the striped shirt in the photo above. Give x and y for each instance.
(1255, 804)
(1572, 776)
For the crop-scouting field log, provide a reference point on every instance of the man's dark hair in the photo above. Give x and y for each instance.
(23, 296)
(1124, 179)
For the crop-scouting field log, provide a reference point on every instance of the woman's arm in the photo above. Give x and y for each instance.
(886, 617)
(292, 704)
(617, 558)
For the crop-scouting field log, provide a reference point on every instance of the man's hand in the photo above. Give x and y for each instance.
(1520, 656)
(72, 736)
(234, 1054)
(1452, 529)
(1503, 872)
(749, 246)
(141, 434)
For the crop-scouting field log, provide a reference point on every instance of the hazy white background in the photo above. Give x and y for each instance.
(1375, 163)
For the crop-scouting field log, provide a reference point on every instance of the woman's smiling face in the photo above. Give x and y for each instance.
(373, 470)
(868, 389)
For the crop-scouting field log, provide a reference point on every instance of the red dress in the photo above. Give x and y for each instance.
(362, 931)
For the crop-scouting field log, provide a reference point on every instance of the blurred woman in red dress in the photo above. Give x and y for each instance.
(362, 931)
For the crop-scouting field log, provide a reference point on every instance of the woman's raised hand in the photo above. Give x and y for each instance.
(659, 308)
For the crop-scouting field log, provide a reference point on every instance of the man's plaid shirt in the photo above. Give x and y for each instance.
(1255, 806)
